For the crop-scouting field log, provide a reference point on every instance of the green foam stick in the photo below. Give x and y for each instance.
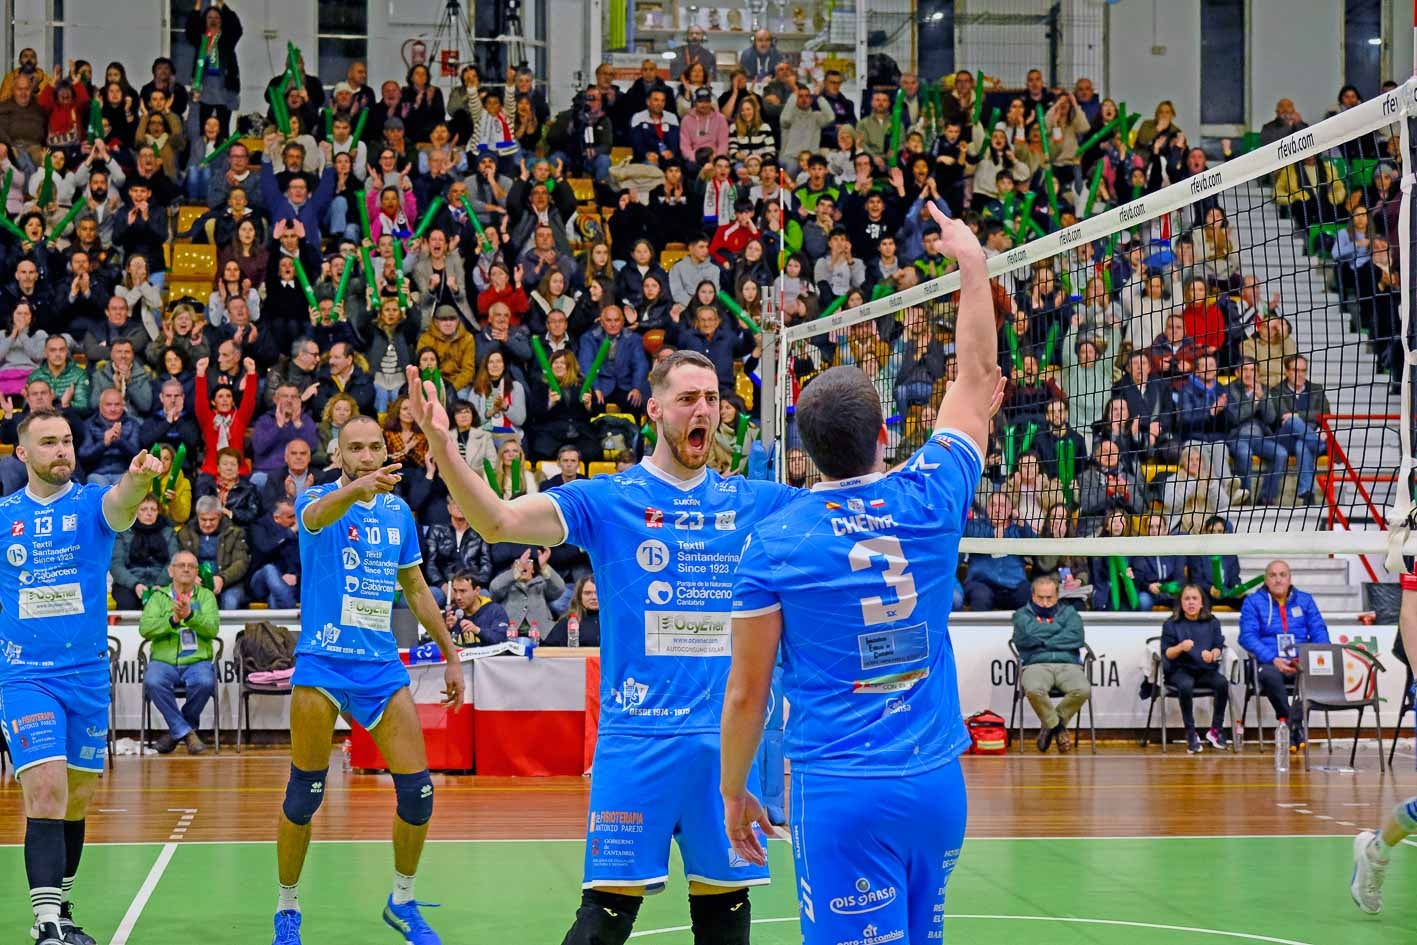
(1245, 588)
(1217, 572)
(1043, 132)
(1100, 134)
(5, 189)
(95, 119)
(476, 223)
(1118, 567)
(304, 282)
(739, 438)
(220, 149)
(836, 304)
(1012, 337)
(277, 100)
(9, 226)
(893, 146)
(732, 305)
(647, 431)
(344, 282)
(69, 217)
(491, 473)
(201, 67)
(1052, 188)
(398, 272)
(434, 206)
(1092, 191)
(1067, 465)
(178, 459)
(369, 280)
(1115, 592)
(538, 349)
(359, 124)
(46, 185)
(596, 365)
(329, 124)
(1028, 434)
(880, 291)
(362, 198)
(1048, 347)
(1010, 449)
(978, 97)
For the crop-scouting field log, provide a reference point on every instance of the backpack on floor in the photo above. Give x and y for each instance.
(988, 732)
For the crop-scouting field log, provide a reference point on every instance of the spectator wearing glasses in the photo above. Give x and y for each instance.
(181, 620)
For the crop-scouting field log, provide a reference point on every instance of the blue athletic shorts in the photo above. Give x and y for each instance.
(874, 855)
(360, 689)
(645, 791)
(58, 718)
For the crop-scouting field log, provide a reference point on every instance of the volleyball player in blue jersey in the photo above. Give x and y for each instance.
(854, 581)
(54, 684)
(358, 547)
(664, 538)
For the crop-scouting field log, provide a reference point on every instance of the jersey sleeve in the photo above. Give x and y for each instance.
(410, 552)
(582, 506)
(91, 502)
(753, 593)
(303, 502)
(947, 468)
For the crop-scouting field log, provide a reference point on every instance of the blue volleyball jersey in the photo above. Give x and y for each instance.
(664, 553)
(863, 571)
(54, 583)
(349, 573)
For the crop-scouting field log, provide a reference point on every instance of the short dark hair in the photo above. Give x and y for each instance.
(467, 576)
(839, 419)
(34, 416)
(659, 376)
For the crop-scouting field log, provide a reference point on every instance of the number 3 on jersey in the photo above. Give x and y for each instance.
(866, 554)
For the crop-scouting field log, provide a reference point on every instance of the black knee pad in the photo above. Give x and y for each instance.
(722, 919)
(415, 797)
(304, 793)
(603, 919)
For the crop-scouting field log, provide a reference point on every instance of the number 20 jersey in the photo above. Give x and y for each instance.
(664, 554)
(863, 571)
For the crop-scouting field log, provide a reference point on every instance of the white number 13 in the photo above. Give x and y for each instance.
(864, 554)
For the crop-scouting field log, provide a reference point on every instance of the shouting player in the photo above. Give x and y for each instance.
(54, 685)
(1372, 850)
(358, 546)
(854, 580)
(664, 538)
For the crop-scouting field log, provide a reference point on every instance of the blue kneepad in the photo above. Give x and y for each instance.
(304, 793)
(414, 793)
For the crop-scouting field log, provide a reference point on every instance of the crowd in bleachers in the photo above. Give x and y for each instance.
(231, 289)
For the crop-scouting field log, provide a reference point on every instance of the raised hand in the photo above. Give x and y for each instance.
(957, 240)
(145, 467)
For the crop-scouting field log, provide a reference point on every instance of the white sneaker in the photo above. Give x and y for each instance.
(1368, 873)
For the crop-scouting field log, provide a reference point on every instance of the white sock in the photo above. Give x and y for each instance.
(403, 888)
(67, 888)
(44, 901)
(289, 899)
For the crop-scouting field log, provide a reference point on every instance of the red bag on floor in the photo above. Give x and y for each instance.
(988, 732)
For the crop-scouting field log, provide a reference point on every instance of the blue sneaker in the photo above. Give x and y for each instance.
(287, 928)
(408, 922)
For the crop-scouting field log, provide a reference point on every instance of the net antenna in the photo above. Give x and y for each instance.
(1164, 228)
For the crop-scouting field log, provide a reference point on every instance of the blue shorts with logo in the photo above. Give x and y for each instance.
(874, 855)
(358, 688)
(57, 718)
(647, 791)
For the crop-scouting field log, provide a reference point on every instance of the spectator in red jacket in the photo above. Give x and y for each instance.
(1205, 322)
(66, 105)
(729, 239)
(505, 286)
(222, 420)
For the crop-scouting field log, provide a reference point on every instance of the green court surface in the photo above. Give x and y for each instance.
(1285, 890)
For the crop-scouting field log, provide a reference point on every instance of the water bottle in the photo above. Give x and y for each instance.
(346, 756)
(535, 634)
(512, 631)
(573, 630)
(1281, 748)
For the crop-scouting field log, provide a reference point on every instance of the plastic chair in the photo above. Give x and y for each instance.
(1016, 705)
(193, 261)
(1328, 691)
(145, 718)
(188, 214)
(115, 653)
(1162, 691)
(600, 468)
(1405, 707)
(1251, 671)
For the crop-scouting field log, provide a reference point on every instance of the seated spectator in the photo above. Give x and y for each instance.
(733, 438)
(273, 431)
(141, 556)
(584, 613)
(1252, 419)
(173, 423)
(1049, 638)
(1105, 485)
(453, 549)
(121, 372)
(1193, 654)
(240, 501)
(1274, 620)
(221, 421)
(502, 337)
(1299, 404)
(510, 476)
(1197, 491)
(1216, 574)
(174, 502)
(475, 444)
(110, 439)
(1110, 584)
(343, 375)
(68, 381)
(996, 582)
(454, 346)
(221, 546)
(405, 441)
(1072, 571)
(275, 566)
(1159, 576)
(473, 618)
(181, 621)
(654, 132)
(561, 421)
(1031, 490)
(1052, 436)
(527, 590)
(291, 479)
(722, 344)
(21, 350)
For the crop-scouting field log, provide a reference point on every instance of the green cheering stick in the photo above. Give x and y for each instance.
(434, 206)
(200, 69)
(732, 305)
(398, 272)
(836, 304)
(344, 281)
(220, 149)
(596, 365)
(476, 223)
(538, 349)
(69, 217)
(95, 119)
(305, 282)
(978, 97)
(1067, 466)
(204, 572)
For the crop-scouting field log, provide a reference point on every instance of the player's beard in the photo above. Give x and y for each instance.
(682, 447)
(50, 473)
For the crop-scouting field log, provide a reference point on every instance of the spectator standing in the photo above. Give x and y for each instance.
(1274, 620)
(222, 422)
(221, 72)
(1193, 651)
(181, 621)
(1049, 638)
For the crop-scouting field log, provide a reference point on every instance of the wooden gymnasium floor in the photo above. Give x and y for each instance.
(1121, 847)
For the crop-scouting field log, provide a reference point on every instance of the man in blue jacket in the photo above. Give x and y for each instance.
(1273, 620)
(996, 582)
(297, 203)
(624, 376)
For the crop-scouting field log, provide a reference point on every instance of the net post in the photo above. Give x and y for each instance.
(1402, 488)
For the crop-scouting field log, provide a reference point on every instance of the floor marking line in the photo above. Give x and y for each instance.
(145, 892)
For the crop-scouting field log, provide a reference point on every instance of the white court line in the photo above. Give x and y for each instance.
(135, 909)
(1039, 918)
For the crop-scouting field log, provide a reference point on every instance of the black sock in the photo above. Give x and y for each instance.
(73, 852)
(44, 865)
(722, 919)
(603, 919)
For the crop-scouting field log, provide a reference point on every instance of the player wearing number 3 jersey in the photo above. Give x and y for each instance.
(854, 581)
(664, 538)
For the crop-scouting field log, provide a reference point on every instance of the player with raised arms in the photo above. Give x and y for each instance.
(54, 682)
(358, 546)
(664, 538)
(854, 581)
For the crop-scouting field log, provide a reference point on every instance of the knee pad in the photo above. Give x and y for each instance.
(603, 919)
(415, 797)
(723, 919)
(304, 793)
